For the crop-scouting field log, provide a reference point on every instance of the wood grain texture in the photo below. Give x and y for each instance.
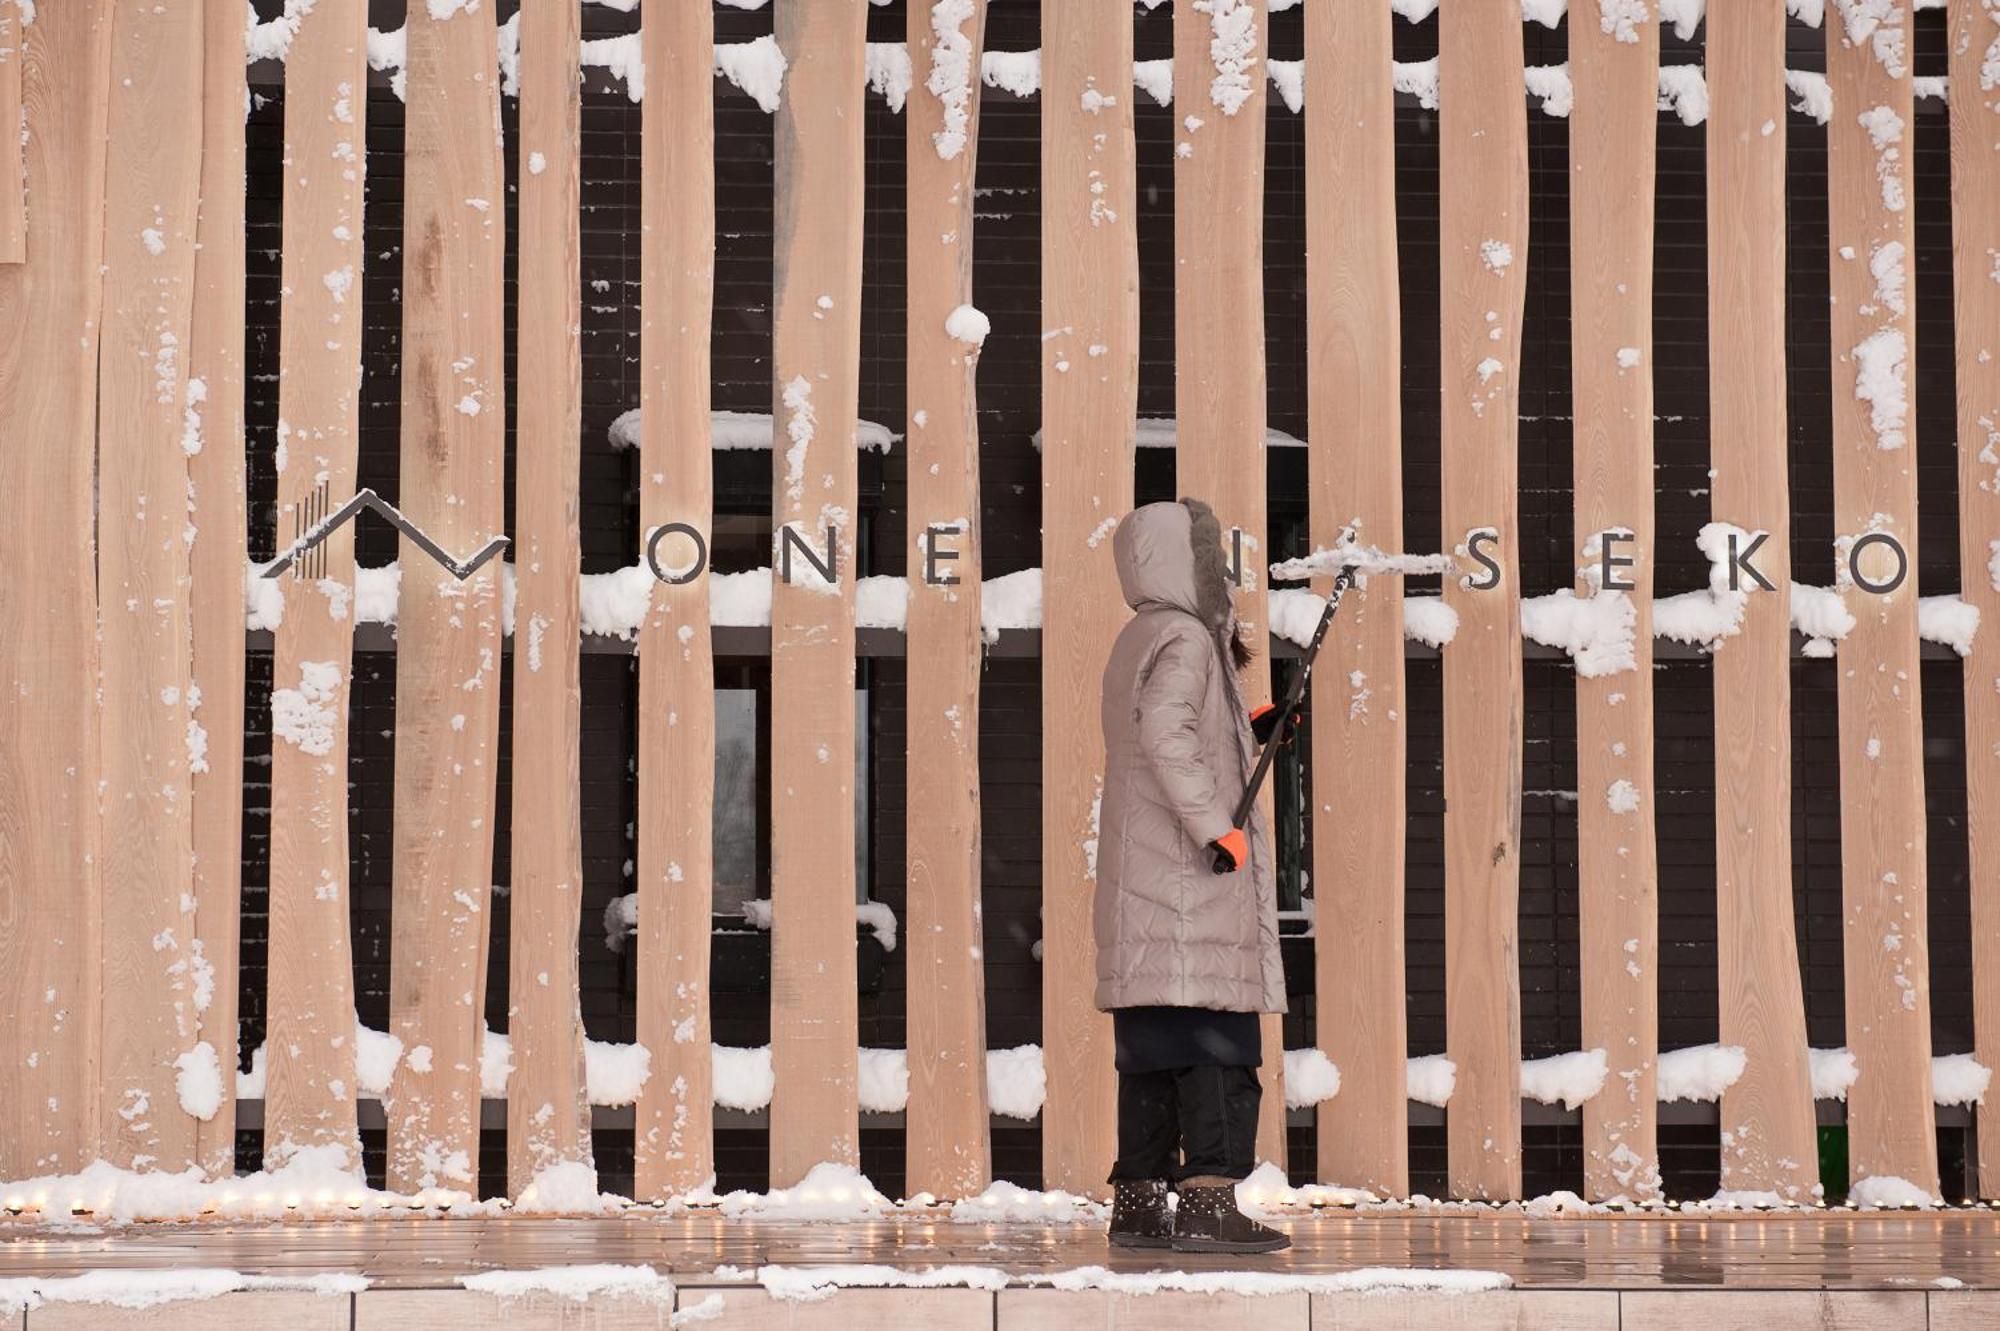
(548, 1106)
(1355, 422)
(675, 1138)
(1090, 299)
(1767, 1115)
(448, 636)
(1611, 298)
(1757, 1310)
(13, 165)
(311, 1087)
(1891, 1122)
(815, 392)
(1975, 221)
(1494, 1310)
(948, 1152)
(1170, 1310)
(152, 188)
(1483, 226)
(50, 905)
(218, 510)
(1219, 348)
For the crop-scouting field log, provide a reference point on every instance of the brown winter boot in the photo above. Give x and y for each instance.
(1139, 1216)
(1207, 1221)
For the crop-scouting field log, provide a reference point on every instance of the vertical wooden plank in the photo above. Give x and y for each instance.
(50, 907)
(1090, 396)
(1974, 45)
(675, 1136)
(548, 1108)
(1891, 1122)
(1614, 67)
(13, 166)
(310, 1085)
(1483, 226)
(448, 645)
(152, 185)
(949, 1153)
(1767, 1115)
(1219, 93)
(1355, 419)
(218, 510)
(816, 363)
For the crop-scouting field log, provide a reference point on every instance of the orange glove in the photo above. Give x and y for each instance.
(1266, 721)
(1232, 851)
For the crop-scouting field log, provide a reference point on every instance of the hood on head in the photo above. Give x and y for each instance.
(1170, 554)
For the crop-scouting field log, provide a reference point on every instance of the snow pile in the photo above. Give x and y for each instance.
(1232, 49)
(578, 1283)
(730, 430)
(1815, 94)
(1881, 362)
(1430, 1079)
(1888, 1192)
(1566, 1078)
(808, 1284)
(1948, 620)
(1310, 1077)
(137, 1290)
(1822, 616)
(1704, 618)
(743, 1078)
(756, 68)
(1700, 1072)
(1551, 83)
(1550, 1205)
(313, 1179)
(1833, 1072)
(1685, 15)
(968, 324)
(1417, 78)
(886, 65)
(1018, 72)
(1155, 78)
(569, 1188)
(614, 1074)
(1959, 1079)
(198, 1081)
(1016, 1082)
(1010, 601)
(829, 1191)
(1365, 560)
(1427, 619)
(1294, 614)
(1596, 631)
(1684, 91)
(883, 1080)
(1004, 1202)
(1267, 1194)
(1548, 13)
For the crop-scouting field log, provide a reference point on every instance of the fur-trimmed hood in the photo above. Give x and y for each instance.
(1170, 554)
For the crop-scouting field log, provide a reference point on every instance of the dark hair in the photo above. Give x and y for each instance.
(1211, 574)
(1241, 653)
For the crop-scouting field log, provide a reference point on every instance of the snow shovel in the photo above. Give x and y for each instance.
(1349, 561)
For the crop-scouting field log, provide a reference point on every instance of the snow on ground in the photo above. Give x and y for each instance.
(1886, 1191)
(829, 1191)
(314, 1179)
(1004, 1201)
(578, 1283)
(138, 1290)
(569, 1188)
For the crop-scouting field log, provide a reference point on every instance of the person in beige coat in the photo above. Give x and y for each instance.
(1187, 956)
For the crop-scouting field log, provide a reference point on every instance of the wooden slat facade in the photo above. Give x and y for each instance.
(1483, 258)
(1090, 299)
(548, 1107)
(449, 631)
(13, 166)
(1975, 219)
(218, 509)
(1767, 1114)
(311, 1085)
(1219, 345)
(674, 1141)
(50, 876)
(1354, 361)
(1883, 834)
(152, 191)
(1612, 129)
(949, 1148)
(816, 363)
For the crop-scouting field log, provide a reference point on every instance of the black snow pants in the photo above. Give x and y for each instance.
(1182, 1123)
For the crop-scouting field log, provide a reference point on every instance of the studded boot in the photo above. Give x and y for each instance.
(1139, 1215)
(1207, 1221)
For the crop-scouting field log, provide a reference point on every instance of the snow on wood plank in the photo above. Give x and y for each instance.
(13, 166)
(1219, 95)
(548, 1113)
(1483, 224)
(49, 871)
(815, 1117)
(949, 1152)
(312, 1084)
(1975, 218)
(674, 1135)
(1090, 303)
(448, 648)
(218, 512)
(1354, 403)
(1611, 294)
(1767, 1114)
(152, 187)
(1891, 1126)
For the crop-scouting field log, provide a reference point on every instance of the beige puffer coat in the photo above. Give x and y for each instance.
(1178, 753)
